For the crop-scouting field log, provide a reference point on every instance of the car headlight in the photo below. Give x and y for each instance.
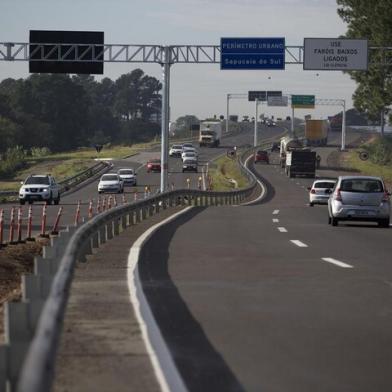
(45, 189)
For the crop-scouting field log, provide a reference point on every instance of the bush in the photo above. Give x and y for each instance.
(380, 151)
(38, 152)
(12, 161)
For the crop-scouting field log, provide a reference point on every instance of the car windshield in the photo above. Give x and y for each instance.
(187, 146)
(362, 185)
(189, 154)
(109, 177)
(176, 147)
(261, 152)
(155, 161)
(37, 180)
(126, 171)
(326, 184)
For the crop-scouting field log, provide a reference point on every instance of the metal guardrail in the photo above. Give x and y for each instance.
(33, 326)
(70, 182)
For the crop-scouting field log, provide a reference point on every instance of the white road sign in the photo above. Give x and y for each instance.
(335, 54)
(278, 101)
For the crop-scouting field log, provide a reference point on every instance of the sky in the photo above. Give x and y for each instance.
(199, 89)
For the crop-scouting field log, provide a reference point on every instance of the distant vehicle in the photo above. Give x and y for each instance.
(175, 150)
(301, 163)
(279, 119)
(359, 198)
(210, 133)
(287, 143)
(187, 145)
(111, 183)
(39, 188)
(189, 164)
(316, 132)
(288, 118)
(189, 154)
(261, 156)
(270, 123)
(128, 176)
(275, 146)
(319, 192)
(154, 165)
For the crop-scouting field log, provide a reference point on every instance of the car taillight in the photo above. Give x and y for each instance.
(313, 191)
(337, 195)
(385, 197)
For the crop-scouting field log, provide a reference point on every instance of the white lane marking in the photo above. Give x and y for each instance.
(299, 243)
(336, 262)
(282, 229)
(275, 220)
(141, 166)
(298, 183)
(275, 212)
(164, 367)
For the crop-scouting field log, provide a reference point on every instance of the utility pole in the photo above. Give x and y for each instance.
(165, 119)
(256, 115)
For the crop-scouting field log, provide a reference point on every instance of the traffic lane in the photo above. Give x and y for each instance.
(265, 305)
(362, 245)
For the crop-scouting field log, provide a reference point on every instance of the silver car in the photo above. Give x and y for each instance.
(319, 192)
(359, 198)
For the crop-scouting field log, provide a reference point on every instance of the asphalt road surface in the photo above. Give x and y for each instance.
(152, 180)
(272, 298)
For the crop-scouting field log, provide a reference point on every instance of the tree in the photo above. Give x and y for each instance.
(371, 20)
(184, 123)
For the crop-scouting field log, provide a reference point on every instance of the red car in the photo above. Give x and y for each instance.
(154, 165)
(261, 156)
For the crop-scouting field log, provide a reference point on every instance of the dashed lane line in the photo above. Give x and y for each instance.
(282, 229)
(336, 262)
(275, 212)
(275, 220)
(299, 243)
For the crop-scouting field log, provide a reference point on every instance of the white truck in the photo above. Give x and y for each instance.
(210, 133)
(287, 143)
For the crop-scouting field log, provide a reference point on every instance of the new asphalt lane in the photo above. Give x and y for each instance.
(272, 298)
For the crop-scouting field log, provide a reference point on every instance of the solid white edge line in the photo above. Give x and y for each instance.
(299, 243)
(163, 364)
(336, 262)
(275, 220)
(275, 212)
(282, 229)
(203, 178)
(263, 190)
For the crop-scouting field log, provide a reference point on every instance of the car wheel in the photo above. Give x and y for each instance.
(57, 201)
(329, 220)
(334, 221)
(50, 200)
(30, 201)
(383, 222)
(311, 204)
(22, 202)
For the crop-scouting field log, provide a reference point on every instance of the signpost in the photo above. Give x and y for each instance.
(303, 101)
(335, 54)
(262, 95)
(252, 53)
(278, 101)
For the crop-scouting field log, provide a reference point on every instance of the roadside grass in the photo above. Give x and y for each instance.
(369, 168)
(223, 169)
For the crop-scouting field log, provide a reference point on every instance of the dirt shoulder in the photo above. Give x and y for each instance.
(15, 260)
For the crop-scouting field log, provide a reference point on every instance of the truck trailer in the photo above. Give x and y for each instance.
(316, 132)
(287, 143)
(210, 133)
(301, 163)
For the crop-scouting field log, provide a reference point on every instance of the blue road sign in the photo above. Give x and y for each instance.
(252, 53)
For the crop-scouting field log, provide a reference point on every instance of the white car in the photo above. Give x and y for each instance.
(39, 188)
(189, 154)
(320, 191)
(111, 183)
(128, 176)
(175, 150)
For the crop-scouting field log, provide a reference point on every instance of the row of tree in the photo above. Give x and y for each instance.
(63, 112)
(371, 20)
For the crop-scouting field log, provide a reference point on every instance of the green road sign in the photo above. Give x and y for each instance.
(303, 101)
